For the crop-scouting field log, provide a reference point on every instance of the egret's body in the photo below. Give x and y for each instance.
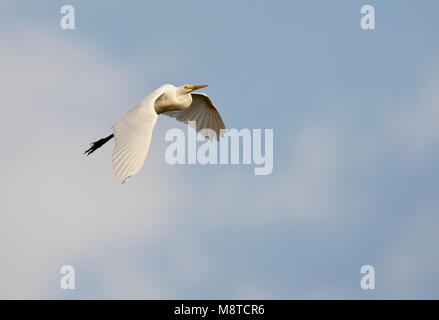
(133, 131)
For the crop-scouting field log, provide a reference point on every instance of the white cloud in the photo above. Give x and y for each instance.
(57, 204)
(311, 189)
(411, 264)
(413, 126)
(60, 206)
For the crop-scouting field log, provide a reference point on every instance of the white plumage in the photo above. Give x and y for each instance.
(133, 131)
(203, 112)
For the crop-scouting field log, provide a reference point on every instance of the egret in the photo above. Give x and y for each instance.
(133, 131)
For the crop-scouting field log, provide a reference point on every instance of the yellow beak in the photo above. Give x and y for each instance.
(196, 87)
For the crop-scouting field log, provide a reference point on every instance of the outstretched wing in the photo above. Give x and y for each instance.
(133, 134)
(203, 112)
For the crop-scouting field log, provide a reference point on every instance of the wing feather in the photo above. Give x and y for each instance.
(133, 134)
(203, 112)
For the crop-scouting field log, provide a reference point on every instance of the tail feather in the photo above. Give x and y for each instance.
(97, 144)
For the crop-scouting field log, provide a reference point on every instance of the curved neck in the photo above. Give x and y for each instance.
(172, 102)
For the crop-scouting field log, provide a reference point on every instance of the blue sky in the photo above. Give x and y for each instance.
(355, 177)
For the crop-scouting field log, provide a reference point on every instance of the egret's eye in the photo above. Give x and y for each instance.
(188, 87)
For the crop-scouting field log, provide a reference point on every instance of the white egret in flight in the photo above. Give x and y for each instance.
(133, 131)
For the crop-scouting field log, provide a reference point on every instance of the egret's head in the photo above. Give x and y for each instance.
(189, 88)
